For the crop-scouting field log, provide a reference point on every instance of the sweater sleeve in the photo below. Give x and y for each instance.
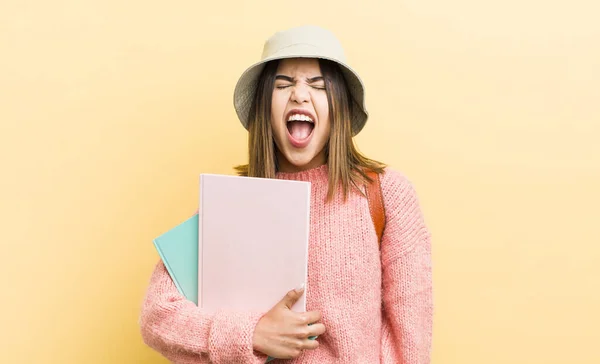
(183, 333)
(406, 274)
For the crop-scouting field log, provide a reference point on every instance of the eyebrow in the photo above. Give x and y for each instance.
(315, 79)
(290, 79)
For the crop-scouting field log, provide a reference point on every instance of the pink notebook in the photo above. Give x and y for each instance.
(252, 241)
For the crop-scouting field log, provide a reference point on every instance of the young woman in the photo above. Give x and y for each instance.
(369, 301)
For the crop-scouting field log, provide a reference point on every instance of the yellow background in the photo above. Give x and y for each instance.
(110, 110)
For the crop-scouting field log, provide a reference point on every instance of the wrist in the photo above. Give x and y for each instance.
(257, 339)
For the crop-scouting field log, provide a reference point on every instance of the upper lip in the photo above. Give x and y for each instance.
(300, 111)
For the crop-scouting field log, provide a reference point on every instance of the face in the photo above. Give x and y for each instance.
(300, 115)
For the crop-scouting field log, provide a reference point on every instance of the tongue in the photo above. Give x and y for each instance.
(300, 130)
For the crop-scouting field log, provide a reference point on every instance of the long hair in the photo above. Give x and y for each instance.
(347, 167)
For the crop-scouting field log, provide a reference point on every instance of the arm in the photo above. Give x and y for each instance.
(183, 333)
(406, 274)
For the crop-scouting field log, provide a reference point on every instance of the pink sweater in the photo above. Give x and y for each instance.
(376, 305)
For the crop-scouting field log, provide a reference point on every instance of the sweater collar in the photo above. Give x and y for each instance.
(315, 174)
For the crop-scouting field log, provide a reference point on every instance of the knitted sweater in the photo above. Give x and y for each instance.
(376, 304)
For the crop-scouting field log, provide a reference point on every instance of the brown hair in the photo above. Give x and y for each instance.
(346, 165)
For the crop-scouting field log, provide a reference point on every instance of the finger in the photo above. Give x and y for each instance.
(310, 317)
(309, 331)
(309, 344)
(316, 330)
(292, 297)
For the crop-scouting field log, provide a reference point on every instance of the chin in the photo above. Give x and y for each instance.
(301, 161)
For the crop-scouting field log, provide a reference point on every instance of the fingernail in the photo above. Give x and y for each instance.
(300, 287)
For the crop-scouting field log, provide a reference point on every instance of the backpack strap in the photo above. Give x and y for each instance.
(376, 207)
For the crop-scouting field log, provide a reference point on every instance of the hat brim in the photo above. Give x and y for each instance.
(245, 90)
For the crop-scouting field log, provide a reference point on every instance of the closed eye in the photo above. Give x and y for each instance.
(282, 87)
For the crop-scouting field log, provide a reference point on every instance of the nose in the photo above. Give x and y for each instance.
(300, 94)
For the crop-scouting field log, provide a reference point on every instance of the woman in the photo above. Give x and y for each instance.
(370, 301)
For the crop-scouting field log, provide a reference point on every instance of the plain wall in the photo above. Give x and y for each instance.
(110, 110)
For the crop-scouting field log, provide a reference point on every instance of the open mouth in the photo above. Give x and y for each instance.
(300, 126)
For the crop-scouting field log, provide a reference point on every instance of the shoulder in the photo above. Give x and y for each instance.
(405, 221)
(399, 192)
(394, 181)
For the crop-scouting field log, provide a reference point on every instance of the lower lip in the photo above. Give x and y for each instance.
(300, 143)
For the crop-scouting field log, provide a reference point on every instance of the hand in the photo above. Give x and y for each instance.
(282, 333)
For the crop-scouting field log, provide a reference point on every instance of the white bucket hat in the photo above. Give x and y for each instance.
(301, 42)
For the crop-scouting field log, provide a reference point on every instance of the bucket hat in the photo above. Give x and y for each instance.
(306, 41)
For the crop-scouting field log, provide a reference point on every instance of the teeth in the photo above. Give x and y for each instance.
(300, 117)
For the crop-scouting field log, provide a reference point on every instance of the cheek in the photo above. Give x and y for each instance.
(277, 107)
(322, 109)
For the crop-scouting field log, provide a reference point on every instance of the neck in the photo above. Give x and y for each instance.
(317, 175)
(285, 166)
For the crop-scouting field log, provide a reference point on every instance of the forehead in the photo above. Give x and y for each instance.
(299, 67)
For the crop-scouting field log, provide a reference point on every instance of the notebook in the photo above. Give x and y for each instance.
(178, 249)
(280, 211)
(253, 242)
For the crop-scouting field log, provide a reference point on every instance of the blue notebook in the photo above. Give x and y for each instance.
(178, 249)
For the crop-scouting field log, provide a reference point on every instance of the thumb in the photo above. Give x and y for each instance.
(292, 297)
